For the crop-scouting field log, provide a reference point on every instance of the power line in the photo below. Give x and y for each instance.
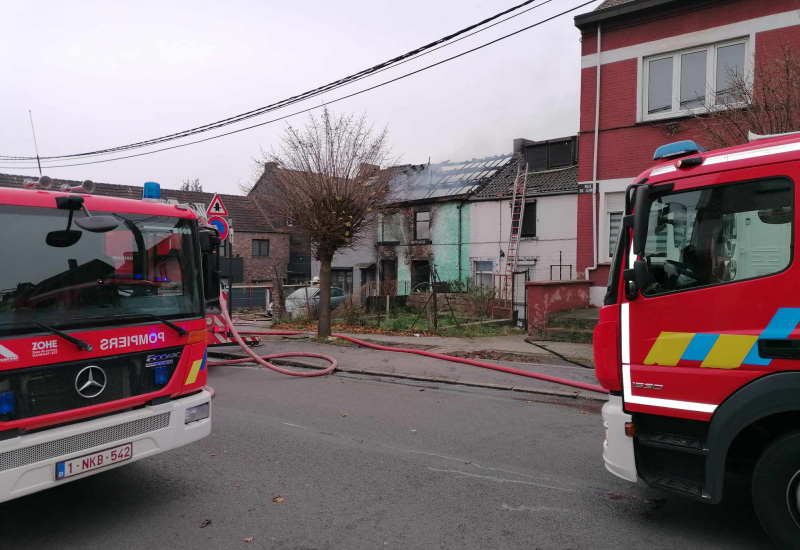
(286, 103)
(294, 99)
(317, 106)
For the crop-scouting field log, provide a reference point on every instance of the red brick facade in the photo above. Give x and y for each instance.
(626, 141)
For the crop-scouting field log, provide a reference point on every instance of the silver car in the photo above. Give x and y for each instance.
(305, 300)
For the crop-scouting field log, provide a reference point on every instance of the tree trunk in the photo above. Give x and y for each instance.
(324, 326)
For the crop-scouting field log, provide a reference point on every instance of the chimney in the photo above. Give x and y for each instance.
(519, 145)
(270, 166)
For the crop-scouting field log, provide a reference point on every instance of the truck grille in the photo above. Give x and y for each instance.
(51, 389)
(81, 442)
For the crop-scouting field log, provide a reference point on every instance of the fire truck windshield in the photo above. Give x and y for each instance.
(147, 266)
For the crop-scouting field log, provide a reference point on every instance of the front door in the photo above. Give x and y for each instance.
(720, 252)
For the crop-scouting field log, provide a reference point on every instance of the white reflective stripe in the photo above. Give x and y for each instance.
(663, 170)
(220, 337)
(625, 336)
(218, 321)
(625, 340)
(774, 150)
(631, 258)
(7, 353)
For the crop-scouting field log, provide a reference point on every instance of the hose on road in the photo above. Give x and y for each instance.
(262, 359)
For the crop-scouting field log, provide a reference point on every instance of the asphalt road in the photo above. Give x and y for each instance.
(364, 463)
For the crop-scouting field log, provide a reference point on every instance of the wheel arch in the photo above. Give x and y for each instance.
(767, 401)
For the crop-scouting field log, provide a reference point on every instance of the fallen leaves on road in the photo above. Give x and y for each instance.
(278, 499)
(249, 539)
(206, 523)
(343, 415)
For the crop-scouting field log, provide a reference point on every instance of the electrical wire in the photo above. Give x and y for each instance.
(504, 37)
(404, 58)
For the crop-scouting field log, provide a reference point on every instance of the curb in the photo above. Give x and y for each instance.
(577, 394)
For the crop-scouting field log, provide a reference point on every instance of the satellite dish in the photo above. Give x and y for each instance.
(88, 186)
(46, 182)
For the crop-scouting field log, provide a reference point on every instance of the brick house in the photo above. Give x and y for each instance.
(262, 247)
(655, 63)
(298, 268)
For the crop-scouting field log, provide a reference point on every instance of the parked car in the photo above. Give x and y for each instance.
(307, 298)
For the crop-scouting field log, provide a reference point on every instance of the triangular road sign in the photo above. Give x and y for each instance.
(216, 208)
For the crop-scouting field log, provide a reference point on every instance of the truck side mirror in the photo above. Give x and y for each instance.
(640, 219)
(636, 277)
(209, 240)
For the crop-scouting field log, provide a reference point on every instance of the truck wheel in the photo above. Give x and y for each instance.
(776, 490)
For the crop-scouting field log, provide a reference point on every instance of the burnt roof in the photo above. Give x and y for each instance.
(558, 181)
(245, 214)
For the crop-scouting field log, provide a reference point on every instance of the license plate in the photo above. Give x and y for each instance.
(94, 461)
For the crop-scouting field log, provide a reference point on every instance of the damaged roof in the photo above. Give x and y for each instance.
(558, 181)
(445, 179)
(242, 211)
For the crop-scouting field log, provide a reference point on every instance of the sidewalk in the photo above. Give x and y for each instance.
(360, 360)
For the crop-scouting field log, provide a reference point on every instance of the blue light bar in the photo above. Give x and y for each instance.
(7, 402)
(161, 375)
(151, 191)
(677, 149)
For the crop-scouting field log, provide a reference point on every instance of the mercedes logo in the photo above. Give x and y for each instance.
(90, 382)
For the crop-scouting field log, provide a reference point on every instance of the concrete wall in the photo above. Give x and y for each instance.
(549, 297)
(556, 231)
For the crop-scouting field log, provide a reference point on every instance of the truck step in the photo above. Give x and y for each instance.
(673, 442)
(688, 488)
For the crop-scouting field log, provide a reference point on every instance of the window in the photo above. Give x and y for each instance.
(223, 249)
(691, 79)
(422, 225)
(719, 234)
(551, 155)
(615, 209)
(483, 272)
(261, 247)
(528, 228)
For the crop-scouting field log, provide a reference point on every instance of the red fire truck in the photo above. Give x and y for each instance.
(699, 338)
(102, 332)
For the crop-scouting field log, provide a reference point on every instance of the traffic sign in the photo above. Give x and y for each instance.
(216, 208)
(222, 226)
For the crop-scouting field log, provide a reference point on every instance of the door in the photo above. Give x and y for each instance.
(719, 256)
(420, 275)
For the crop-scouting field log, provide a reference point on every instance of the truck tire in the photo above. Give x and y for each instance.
(776, 490)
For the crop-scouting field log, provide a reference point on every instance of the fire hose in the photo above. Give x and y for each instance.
(263, 359)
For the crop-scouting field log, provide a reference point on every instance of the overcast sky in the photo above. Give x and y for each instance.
(102, 74)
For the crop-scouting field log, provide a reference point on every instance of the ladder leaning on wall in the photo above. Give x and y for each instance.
(517, 215)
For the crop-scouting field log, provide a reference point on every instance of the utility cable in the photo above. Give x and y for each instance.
(504, 37)
(408, 56)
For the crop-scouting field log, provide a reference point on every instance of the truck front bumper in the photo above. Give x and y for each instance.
(618, 450)
(28, 462)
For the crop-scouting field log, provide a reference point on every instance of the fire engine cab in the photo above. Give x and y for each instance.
(102, 332)
(699, 338)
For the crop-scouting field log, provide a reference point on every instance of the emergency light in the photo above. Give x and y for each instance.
(151, 191)
(677, 149)
(7, 402)
(161, 375)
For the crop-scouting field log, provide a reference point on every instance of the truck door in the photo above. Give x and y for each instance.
(721, 295)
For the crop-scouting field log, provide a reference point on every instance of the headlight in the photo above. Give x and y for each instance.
(199, 412)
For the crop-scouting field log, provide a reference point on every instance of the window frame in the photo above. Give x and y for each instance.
(613, 244)
(528, 204)
(260, 241)
(417, 212)
(721, 283)
(711, 74)
(476, 273)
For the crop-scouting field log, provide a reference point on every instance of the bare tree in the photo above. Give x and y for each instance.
(766, 101)
(191, 185)
(329, 186)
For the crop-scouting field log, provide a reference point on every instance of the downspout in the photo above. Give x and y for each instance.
(595, 231)
(459, 240)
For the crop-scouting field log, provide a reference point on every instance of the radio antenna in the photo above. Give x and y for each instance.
(35, 146)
